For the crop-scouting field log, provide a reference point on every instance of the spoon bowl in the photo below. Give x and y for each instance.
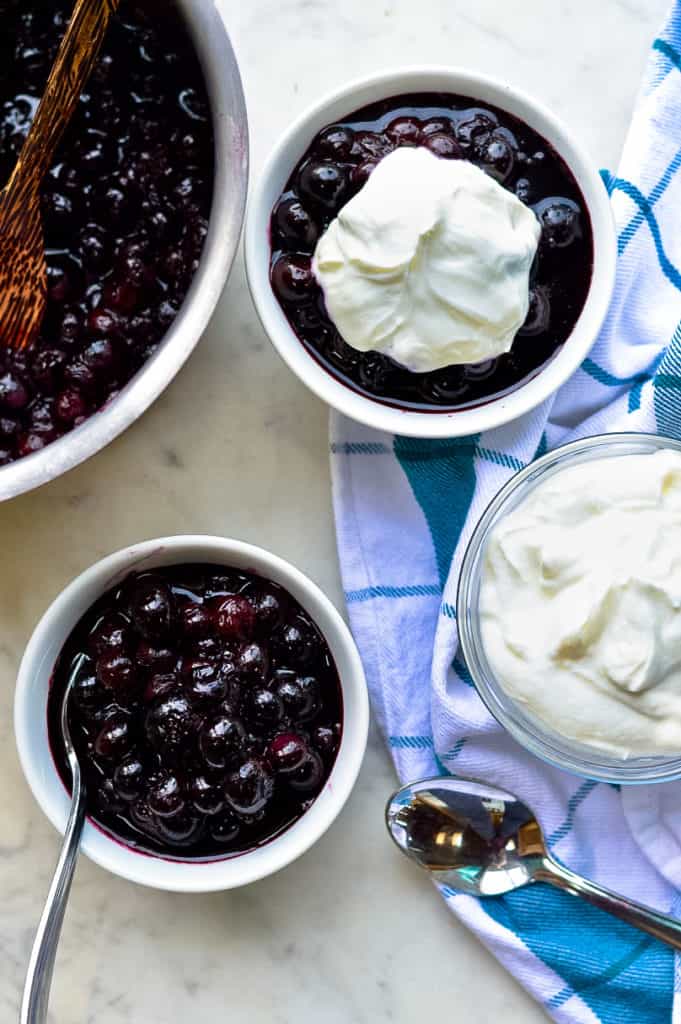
(475, 838)
(480, 840)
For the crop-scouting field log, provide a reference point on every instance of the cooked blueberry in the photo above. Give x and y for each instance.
(362, 172)
(325, 741)
(475, 128)
(444, 146)
(32, 441)
(323, 184)
(141, 816)
(116, 671)
(448, 385)
(195, 621)
(341, 354)
(224, 829)
(560, 221)
(205, 647)
(309, 777)
(158, 658)
(13, 392)
(496, 156)
(160, 685)
(181, 829)
(253, 661)
(264, 709)
(435, 126)
(94, 246)
(476, 372)
(296, 645)
(151, 608)
(204, 682)
(295, 224)
(114, 739)
(169, 723)
(46, 368)
(299, 697)
(110, 634)
(129, 778)
(100, 357)
(222, 740)
(224, 585)
(107, 799)
(372, 145)
(71, 406)
(523, 190)
(268, 612)
(165, 797)
(250, 788)
(206, 795)
(234, 617)
(334, 142)
(292, 278)
(287, 752)
(88, 692)
(375, 371)
(539, 313)
(404, 131)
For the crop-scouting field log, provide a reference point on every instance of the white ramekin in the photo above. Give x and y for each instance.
(30, 718)
(481, 89)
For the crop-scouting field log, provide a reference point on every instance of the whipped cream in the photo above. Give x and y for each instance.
(429, 263)
(580, 603)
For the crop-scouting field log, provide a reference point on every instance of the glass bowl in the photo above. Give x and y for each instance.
(531, 732)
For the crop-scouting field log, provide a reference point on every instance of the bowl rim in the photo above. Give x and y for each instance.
(480, 88)
(206, 24)
(528, 730)
(35, 756)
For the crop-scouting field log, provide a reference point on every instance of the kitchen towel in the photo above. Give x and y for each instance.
(404, 512)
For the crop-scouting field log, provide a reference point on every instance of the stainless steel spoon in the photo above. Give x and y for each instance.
(483, 841)
(41, 964)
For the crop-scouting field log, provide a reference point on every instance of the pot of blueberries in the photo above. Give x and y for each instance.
(142, 210)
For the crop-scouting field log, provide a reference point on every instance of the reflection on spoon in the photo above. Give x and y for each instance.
(481, 840)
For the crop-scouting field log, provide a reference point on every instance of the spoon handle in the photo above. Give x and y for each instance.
(75, 59)
(41, 964)
(662, 926)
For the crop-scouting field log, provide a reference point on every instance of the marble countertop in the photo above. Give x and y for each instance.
(350, 933)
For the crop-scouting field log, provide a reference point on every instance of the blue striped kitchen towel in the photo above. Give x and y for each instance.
(404, 511)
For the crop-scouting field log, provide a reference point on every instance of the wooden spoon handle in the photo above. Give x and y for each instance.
(75, 60)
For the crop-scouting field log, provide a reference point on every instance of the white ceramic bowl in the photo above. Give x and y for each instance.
(30, 718)
(481, 89)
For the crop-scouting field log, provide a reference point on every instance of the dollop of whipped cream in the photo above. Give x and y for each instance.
(429, 263)
(580, 603)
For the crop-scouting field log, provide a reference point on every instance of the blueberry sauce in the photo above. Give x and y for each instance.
(337, 164)
(125, 208)
(206, 714)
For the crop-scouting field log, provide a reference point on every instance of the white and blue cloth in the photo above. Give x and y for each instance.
(404, 511)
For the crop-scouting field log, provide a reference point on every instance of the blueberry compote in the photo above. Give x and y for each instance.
(339, 162)
(125, 208)
(206, 714)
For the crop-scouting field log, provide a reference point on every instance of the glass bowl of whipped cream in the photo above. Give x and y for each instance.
(569, 608)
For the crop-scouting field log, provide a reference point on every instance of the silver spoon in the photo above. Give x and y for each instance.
(483, 841)
(41, 964)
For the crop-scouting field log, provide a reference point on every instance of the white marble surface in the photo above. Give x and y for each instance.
(350, 933)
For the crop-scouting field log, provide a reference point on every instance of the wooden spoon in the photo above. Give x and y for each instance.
(23, 276)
